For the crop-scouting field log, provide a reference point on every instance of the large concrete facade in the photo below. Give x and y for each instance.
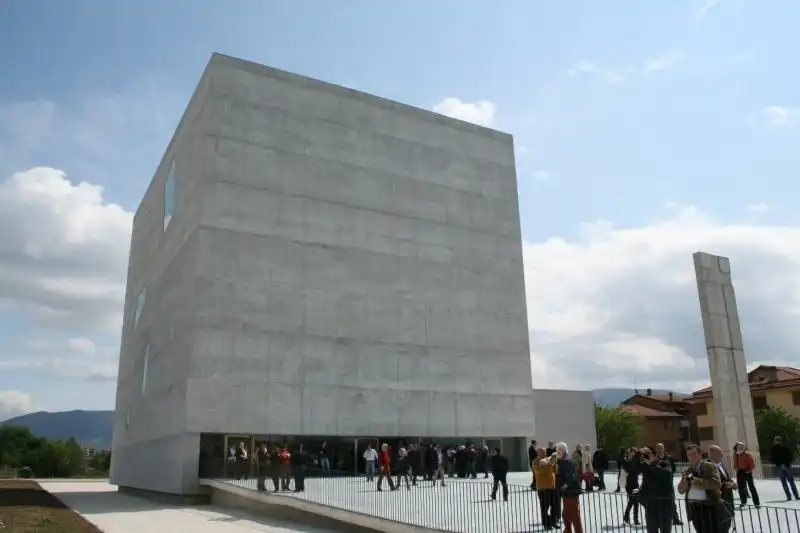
(336, 264)
(565, 415)
(733, 407)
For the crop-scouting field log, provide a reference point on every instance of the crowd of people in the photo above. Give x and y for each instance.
(559, 477)
(647, 476)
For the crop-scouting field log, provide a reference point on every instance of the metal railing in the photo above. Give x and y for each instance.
(766, 471)
(465, 506)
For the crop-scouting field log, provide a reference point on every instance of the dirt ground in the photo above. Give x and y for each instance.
(27, 508)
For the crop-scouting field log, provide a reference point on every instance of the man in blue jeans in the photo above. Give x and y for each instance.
(783, 457)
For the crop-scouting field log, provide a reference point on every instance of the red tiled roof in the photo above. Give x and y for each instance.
(647, 412)
(783, 376)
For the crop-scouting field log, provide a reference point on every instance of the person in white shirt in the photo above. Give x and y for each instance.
(370, 460)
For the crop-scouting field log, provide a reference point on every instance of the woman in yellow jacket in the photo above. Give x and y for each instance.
(544, 470)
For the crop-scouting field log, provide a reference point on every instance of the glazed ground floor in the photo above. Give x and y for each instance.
(345, 454)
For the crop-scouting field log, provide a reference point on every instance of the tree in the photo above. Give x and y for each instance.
(616, 428)
(20, 449)
(777, 422)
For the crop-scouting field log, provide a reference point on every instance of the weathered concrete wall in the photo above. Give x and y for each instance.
(346, 266)
(360, 267)
(564, 415)
(733, 407)
(151, 445)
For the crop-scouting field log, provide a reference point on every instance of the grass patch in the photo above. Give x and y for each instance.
(25, 507)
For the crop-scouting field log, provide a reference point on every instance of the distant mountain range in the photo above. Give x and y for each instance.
(93, 429)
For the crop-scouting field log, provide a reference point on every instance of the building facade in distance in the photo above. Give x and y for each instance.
(770, 386)
(312, 262)
(668, 419)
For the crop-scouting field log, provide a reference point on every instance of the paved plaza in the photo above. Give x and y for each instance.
(112, 512)
(464, 506)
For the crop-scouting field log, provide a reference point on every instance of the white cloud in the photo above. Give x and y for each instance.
(621, 304)
(63, 251)
(781, 116)
(759, 207)
(80, 358)
(707, 6)
(481, 112)
(664, 62)
(619, 75)
(14, 403)
(542, 175)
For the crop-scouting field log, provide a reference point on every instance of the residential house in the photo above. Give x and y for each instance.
(770, 386)
(667, 419)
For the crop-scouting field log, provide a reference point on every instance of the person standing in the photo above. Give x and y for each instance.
(299, 461)
(782, 457)
(544, 468)
(324, 459)
(483, 459)
(274, 468)
(702, 486)
(370, 462)
(656, 493)
(727, 486)
(600, 464)
(413, 462)
(438, 463)
(262, 458)
(587, 469)
(621, 455)
(632, 468)
(662, 455)
(385, 468)
(577, 458)
(402, 468)
(499, 473)
(744, 464)
(569, 486)
(531, 457)
(285, 459)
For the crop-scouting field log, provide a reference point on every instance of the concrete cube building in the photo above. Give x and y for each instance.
(310, 260)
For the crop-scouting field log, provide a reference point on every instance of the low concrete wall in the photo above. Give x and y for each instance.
(302, 511)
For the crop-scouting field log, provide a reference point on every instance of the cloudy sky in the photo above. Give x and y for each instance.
(644, 131)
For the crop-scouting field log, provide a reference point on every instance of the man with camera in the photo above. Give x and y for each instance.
(702, 485)
(656, 493)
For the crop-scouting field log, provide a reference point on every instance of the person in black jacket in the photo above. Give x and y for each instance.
(299, 461)
(262, 458)
(727, 486)
(532, 453)
(632, 466)
(600, 465)
(483, 458)
(500, 472)
(661, 454)
(621, 454)
(656, 493)
(414, 462)
(782, 457)
(402, 467)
